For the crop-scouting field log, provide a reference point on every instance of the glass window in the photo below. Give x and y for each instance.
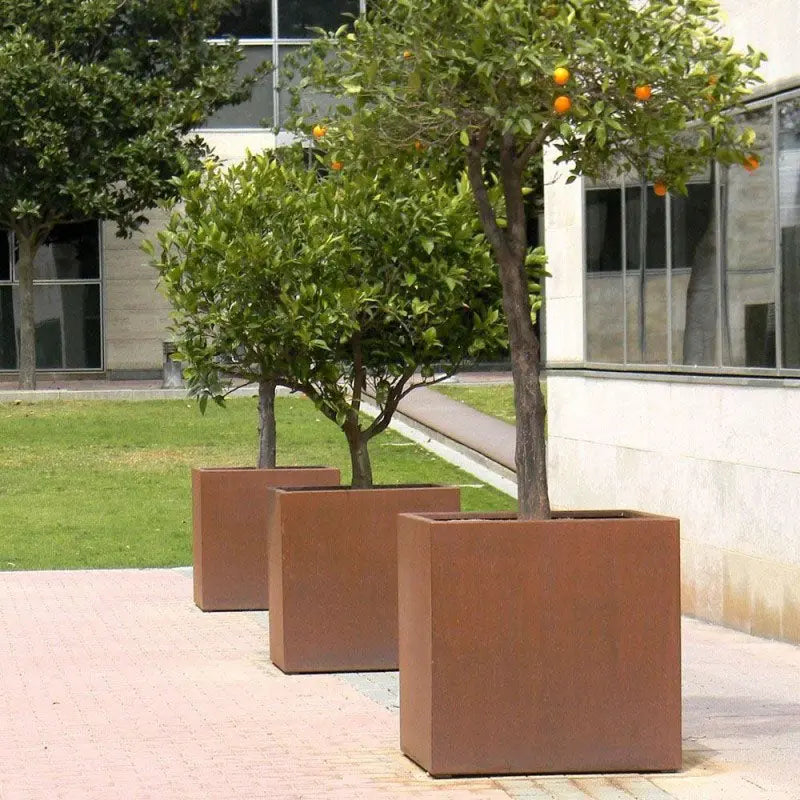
(5, 256)
(789, 193)
(749, 256)
(295, 17)
(694, 276)
(249, 19)
(292, 59)
(604, 296)
(68, 326)
(645, 292)
(70, 252)
(259, 109)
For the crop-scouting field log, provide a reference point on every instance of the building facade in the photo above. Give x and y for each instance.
(673, 351)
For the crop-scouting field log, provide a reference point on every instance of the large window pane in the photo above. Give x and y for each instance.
(694, 276)
(789, 192)
(259, 109)
(749, 257)
(295, 17)
(646, 294)
(249, 19)
(70, 252)
(292, 58)
(5, 256)
(604, 298)
(68, 326)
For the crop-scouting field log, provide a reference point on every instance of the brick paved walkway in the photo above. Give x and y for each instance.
(115, 686)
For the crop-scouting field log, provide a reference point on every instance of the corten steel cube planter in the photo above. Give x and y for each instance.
(540, 646)
(229, 520)
(333, 574)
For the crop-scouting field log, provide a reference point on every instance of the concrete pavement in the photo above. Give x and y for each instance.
(114, 685)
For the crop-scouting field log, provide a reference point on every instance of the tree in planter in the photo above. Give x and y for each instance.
(96, 101)
(414, 277)
(616, 85)
(244, 268)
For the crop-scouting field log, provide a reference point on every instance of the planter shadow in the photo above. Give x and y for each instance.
(333, 574)
(540, 646)
(229, 521)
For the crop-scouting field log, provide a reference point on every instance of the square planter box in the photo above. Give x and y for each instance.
(540, 646)
(333, 574)
(229, 520)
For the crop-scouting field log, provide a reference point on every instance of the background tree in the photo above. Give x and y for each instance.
(636, 86)
(245, 274)
(96, 100)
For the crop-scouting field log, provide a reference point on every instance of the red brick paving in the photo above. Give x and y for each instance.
(114, 685)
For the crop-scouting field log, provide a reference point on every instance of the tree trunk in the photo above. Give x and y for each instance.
(510, 248)
(359, 454)
(27, 322)
(700, 330)
(266, 411)
(531, 452)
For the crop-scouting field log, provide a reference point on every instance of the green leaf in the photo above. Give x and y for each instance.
(463, 137)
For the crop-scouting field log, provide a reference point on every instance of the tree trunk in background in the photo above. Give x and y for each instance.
(700, 330)
(267, 445)
(359, 454)
(27, 321)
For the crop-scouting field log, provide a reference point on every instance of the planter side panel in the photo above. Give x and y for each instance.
(414, 613)
(556, 647)
(229, 526)
(339, 574)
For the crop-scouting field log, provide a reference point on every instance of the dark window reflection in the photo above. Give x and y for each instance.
(604, 230)
(68, 326)
(5, 256)
(250, 19)
(259, 109)
(295, 17)
(789, 185)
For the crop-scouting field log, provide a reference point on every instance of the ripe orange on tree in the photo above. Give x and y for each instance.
(643, 92)
(418, 145)
(752, 163)
(561, 75)
(660, 188)
(319, 131)
(406, 54)
(562, 104)
(336, 165)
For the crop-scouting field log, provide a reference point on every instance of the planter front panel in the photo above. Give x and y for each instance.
(229, 523)
(555, 646)
(333, 575)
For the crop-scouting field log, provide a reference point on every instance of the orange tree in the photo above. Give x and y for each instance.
(630, 85)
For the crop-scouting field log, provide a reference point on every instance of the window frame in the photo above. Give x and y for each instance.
(717, 369)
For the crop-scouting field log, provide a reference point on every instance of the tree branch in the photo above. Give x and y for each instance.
(533, 146)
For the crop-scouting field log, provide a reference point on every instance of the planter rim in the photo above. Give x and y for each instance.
(561, 516)
(383, 487)
(258, 469)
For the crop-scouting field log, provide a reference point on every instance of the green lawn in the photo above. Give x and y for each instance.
(496, 400)
(107, 484)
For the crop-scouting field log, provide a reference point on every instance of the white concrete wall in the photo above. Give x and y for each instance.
(720, 455)
(722, 458)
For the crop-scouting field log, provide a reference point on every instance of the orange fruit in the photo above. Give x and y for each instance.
(660, 188)
(562, 104)
(319, 131)
(418, 145)
(643, 92)
(336, 165)
(752, 163)
(406, 54)
(561, 75)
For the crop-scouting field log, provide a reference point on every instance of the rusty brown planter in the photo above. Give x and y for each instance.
(540, 646)
(229, 520)
(333, 574)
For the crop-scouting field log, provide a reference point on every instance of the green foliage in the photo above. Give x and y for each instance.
(96, 103)
(453, 74)
(244, 264)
